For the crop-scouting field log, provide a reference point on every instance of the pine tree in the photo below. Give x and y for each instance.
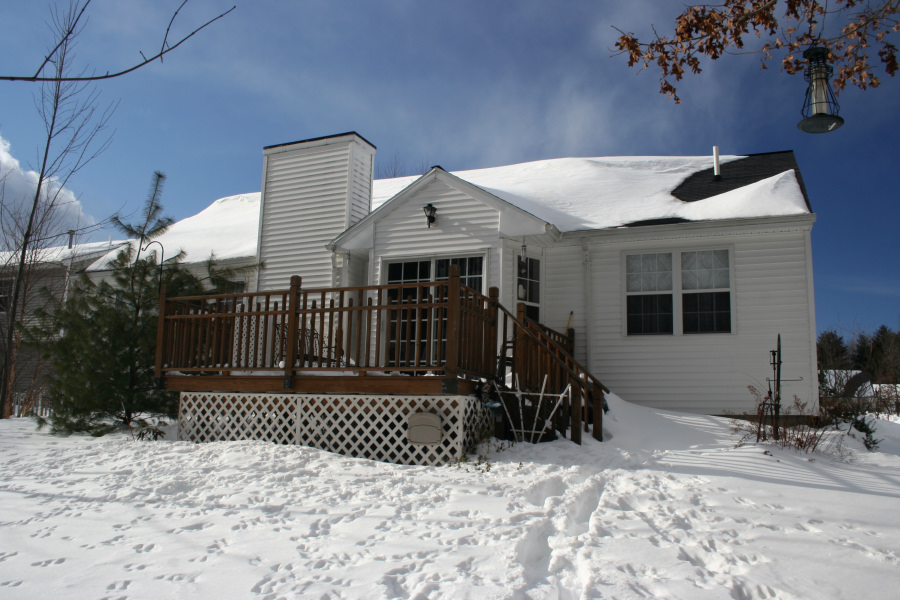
(100, 341)
(832, 351)
(861, 352)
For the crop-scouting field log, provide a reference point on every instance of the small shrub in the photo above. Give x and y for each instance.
(807, 436)
(149, 432)
(868, 430)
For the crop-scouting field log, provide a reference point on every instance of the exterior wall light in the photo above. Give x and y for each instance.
(430, 211)
(820, 108)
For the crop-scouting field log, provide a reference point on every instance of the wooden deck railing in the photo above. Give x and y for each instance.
(441, 331)
(438, 327)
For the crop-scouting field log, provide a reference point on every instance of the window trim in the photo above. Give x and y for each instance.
(677, 291)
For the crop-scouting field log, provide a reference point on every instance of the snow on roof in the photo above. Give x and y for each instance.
(571, 193)
(227, 227)
(597, 193)
(64, 254)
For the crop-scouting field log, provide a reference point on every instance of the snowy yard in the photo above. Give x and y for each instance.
(666, 508)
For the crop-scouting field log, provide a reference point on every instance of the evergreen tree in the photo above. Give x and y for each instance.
(100, 341)
(832, 351)
(884, 354)
(861, 352)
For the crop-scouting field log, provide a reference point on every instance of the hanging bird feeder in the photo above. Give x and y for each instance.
(820, 108)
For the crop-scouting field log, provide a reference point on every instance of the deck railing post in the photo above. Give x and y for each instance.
(598, 413)
(578, 403)
(291, 335)
(451, 366)
(520, 357)
(160, 338)
(491, 333)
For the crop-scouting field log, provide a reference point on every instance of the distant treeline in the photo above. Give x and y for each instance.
(879, 353)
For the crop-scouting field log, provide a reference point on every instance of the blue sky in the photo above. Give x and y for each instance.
(464, 84)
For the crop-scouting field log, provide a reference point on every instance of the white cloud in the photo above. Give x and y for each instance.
(17, 189)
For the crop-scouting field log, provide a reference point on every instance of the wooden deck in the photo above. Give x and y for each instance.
(435, 338)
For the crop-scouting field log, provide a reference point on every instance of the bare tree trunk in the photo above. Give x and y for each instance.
(72, 126)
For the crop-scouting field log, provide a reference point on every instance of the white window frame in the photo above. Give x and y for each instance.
(678, 292)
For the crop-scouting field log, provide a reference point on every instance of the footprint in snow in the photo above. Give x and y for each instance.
(48, 562)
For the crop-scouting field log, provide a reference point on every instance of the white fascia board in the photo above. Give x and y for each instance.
(515, 222)
(725, 227)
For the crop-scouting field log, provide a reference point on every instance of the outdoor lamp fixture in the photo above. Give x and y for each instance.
(430, 211)
(820, 108)
(162, 258)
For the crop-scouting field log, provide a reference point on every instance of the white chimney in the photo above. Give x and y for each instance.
(312, 191)
(717, 171)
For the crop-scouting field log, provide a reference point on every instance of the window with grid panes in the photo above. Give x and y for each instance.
(405, 333)
(528, 286)
(471, 270)
(471, 274)
(701, 292)
(706, 292)
(648, 286)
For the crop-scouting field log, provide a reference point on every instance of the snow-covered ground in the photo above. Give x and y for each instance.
(668, 507)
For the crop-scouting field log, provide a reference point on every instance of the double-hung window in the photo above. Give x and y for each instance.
(649, 287)
(706, 292)
(678, 292)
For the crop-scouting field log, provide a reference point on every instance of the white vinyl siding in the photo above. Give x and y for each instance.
(709, 374)
(311, 193)
(564, 293)
(463, 227)
(356, 269)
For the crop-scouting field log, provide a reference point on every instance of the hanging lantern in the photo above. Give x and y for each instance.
(820, 108)
(430, 212)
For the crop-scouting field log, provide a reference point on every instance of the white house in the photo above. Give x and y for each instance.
(676, 275)
(675, 280)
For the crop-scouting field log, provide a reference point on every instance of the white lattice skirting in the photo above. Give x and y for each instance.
(365, 426)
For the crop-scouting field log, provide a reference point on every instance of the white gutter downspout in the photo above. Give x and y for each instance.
(588, 306)
(334, 269)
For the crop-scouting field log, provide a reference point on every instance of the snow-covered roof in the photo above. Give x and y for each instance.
(227, 227)
(65, 254)
(598, 193)
(572, 194)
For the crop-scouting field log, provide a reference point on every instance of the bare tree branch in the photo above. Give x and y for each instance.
(66, 35)
(64, 38)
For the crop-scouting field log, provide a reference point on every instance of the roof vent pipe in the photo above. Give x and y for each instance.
(717, 171)
(71, 233)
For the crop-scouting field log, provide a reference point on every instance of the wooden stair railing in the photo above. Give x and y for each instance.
(536, 355)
